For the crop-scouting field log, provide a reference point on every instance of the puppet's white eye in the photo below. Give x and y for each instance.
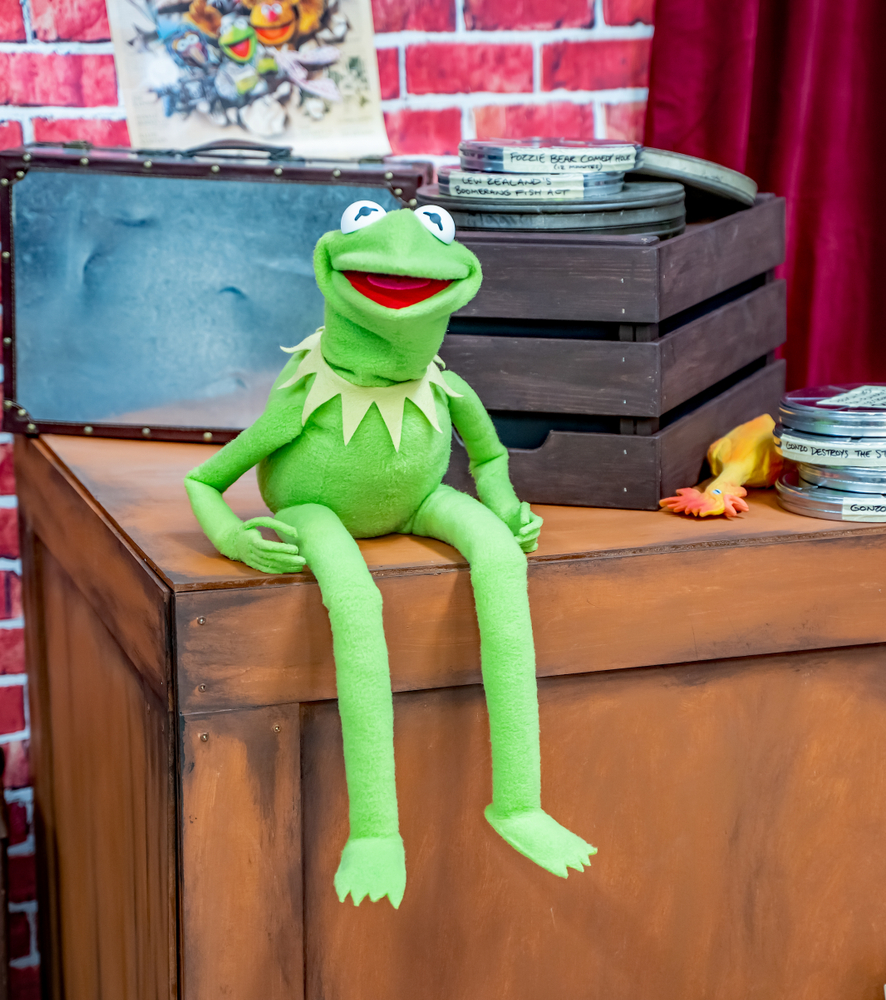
(438, 221)
(360, 214)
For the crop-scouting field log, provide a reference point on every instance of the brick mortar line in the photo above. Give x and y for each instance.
(16, 737)
(24, 849)
(460, 25)
(24, 113)
(104, 48)
(21, 796)
(600, 123)
(401, 69)
(27, 20)
(29, 961)
(433, 102)
(387, 40)
(25, 906)
(474, 99)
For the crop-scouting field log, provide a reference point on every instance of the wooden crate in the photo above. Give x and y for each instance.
(632, 280)
(641, 343)
(631, 470)
(189, 794)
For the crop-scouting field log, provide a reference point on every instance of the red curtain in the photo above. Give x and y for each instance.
(793, 93)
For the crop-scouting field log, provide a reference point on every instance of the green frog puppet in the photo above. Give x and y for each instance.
(354, 443)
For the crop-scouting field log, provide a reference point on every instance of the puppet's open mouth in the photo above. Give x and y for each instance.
(395, 291)
(274, 34)
(241, 49)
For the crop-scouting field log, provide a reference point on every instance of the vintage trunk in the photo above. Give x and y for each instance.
(713, 711)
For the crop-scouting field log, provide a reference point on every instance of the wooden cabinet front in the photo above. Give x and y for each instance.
(713, 711)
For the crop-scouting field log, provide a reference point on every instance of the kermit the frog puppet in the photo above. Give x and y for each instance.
(354, 443)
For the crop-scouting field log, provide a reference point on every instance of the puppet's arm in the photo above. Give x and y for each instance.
(206, 484)
(489, 463)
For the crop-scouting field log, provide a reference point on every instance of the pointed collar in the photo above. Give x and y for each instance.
(357, 399)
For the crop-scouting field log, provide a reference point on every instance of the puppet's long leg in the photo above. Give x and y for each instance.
(507, 654)
(372, 862)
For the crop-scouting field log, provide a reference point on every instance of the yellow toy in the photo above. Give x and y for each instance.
(746, 456)
(281, 23)
(274, 22)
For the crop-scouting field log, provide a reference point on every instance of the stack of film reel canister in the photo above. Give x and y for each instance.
(555, 184)
(836, 435)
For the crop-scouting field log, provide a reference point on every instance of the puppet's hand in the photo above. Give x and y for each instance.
(723, 499)
(525, 527)
(263, 554)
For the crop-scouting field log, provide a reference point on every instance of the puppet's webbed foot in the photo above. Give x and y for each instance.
(542, 839)
(373, 867)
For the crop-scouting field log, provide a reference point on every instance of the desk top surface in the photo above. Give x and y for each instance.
(139, 486)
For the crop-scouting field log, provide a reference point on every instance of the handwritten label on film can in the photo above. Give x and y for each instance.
(857, 509)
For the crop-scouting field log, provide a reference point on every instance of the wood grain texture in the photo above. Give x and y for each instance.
(636, 606)
(48, 925)
(112, 831)
(623, 279)
(139, 486)
(738, 809)
(629, 470)
(550, 375)
(613, 378)
(542, 276)
(699, 354)
(126, 594)
(241, 856)
(711, 257)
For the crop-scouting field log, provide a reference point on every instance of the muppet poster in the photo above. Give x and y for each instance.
(300, 73)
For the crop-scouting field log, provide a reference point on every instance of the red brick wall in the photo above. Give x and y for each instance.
(450, 69)
(456, 69)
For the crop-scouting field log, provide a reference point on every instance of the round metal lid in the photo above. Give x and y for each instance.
(697, 173)
(843, 478)
(818, 449)
(663, 221)
(855, 409)
(528, 189)
(578, 223)
(548, 155)
(814, 501)
(639, 196)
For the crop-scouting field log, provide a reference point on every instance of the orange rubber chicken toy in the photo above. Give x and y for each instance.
(746, 456)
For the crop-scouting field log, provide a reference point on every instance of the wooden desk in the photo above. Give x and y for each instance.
(713, 710)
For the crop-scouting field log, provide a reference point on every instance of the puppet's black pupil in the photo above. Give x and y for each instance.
(365, 210)
(438, 222)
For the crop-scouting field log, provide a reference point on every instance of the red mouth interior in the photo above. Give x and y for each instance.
(241, 49)
(273, 32)
(395, 291)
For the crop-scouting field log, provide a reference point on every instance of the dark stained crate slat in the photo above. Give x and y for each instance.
(544, 277)
(547, 375)
(612, 378)
(625, 470)
(711, 257)
(623, 279)
(711, 347)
